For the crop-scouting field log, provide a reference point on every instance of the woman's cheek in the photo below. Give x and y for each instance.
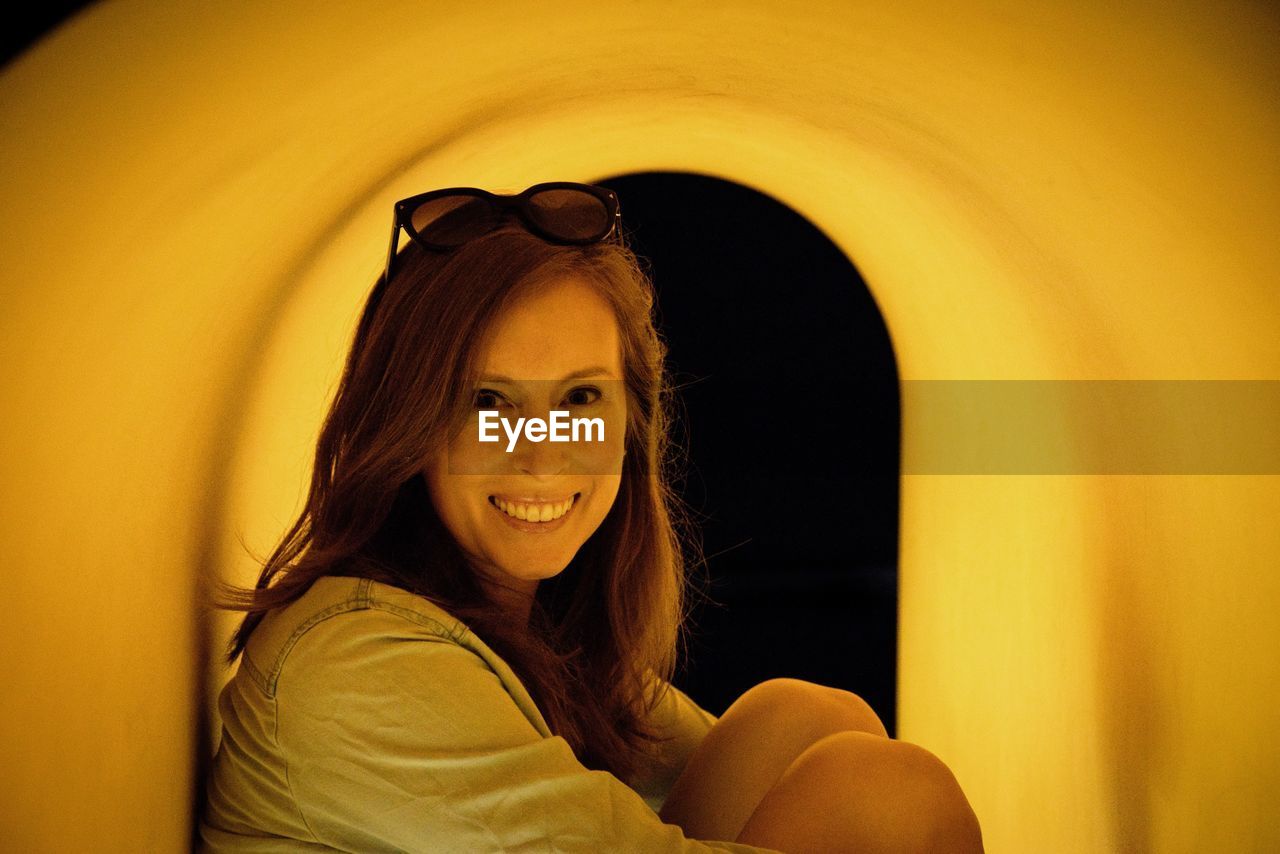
(468, 455)
(604, 457)
(607, 490)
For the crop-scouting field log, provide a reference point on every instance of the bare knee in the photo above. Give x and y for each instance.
(752, 745)
(855, 710)
(818, 708)
(853, 791)
(924, 786)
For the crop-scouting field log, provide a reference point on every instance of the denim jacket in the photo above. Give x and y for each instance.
(365, 718)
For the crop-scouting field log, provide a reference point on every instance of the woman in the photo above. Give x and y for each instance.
(466, 645)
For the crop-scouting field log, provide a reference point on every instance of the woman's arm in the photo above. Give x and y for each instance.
(395, 737)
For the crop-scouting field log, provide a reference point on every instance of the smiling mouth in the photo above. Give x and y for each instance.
(534, 511)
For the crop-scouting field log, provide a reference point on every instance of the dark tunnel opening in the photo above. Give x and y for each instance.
(790, 415)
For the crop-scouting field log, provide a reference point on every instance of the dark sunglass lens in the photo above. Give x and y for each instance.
(570, 214)
(453, 220)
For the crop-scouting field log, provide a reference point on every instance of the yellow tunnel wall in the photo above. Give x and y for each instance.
(197, 201)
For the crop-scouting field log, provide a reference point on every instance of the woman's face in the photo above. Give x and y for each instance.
(520, 515)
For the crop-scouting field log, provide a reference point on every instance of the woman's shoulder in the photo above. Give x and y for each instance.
(348, 612)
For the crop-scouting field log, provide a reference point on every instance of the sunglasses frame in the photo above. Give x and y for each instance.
(518, 203)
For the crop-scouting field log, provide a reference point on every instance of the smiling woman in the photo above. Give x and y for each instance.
(457, 648)
(520, 518)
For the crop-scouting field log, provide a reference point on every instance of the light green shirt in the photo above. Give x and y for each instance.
(366, 718)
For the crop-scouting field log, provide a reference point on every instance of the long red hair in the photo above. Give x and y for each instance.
(615, 617)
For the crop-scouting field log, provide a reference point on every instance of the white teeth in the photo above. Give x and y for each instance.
(536, 512)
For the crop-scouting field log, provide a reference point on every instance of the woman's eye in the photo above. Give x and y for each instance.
(488, 399)
(583, 396)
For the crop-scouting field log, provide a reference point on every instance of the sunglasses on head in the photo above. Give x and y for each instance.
(556, 211)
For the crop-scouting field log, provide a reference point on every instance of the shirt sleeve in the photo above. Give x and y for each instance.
(396, 738)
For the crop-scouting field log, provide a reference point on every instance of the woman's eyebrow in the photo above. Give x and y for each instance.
(576, 375)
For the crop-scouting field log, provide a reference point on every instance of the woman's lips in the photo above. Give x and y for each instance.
(534, 511)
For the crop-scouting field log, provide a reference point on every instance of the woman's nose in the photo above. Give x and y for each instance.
(543, 458)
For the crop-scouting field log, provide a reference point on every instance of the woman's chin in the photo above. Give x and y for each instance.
(525, 568)
(534, 574)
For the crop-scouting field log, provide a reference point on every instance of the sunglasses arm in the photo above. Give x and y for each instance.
(395, 243)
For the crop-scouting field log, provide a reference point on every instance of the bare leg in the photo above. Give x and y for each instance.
(857, 793)
(801, 767)
(752, 744)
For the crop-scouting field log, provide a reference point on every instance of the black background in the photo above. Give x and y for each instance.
(27, 22)
(789, 390)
